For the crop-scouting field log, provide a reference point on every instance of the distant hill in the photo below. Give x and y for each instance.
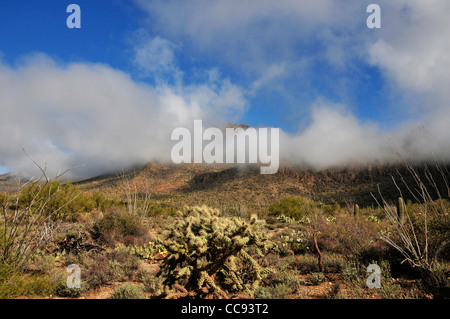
(9, 183)
(234, 186)
(231, 185)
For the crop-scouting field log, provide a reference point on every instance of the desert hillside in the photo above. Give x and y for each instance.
(227, 186)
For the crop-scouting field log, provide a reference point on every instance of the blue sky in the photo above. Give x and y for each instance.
(40, 26)
(107, 26)
(262, 63)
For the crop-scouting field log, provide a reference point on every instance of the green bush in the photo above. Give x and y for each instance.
(437, 280)
(117, 224)
(28, 221)
(333, 263)
(437, 229)
(129, 291)
(307, 263)
(14, 284)
(316, 278)
(330, 210)
(4, 199)
(161, 209)
(112, 265)
(152, 284)
(62, 290)
(388, 288)
(64, 201)
(61, 199)
(101, 202)
(353, 272)
(289, 278)
(279, 291)
(293, 207)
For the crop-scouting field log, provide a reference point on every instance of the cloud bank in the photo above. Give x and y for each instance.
(277, 42)
(68, 115)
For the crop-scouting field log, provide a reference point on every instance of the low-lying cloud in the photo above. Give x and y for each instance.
(68, 115)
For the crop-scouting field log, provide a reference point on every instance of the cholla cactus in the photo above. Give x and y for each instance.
(206, 252)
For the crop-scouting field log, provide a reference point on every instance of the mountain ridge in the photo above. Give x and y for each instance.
(226, 183)
(243, 185)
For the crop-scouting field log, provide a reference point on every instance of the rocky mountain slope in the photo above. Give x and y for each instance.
(230, 185)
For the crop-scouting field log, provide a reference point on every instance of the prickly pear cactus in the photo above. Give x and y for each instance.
(206, 252)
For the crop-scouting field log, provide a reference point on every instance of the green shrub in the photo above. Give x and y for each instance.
(28, 222)
(316, 278)
(288, 278)
(129, 291)
(152, 284)
(307, 263)
(437, 280)
(333, 263)
(102, 202)
(64, 201)
(293, 207)
(116, 271)
(112, 265)
(388, 288)
(117, 224)
(352, 272)
(278, 291)
(330, 210)
(14, 284)
(62, 290)
(161, 209)
(289, 263)
(4, 199)
(347, 235)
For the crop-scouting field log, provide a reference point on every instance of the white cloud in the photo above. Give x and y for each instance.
(66, 115)
(414, 51)
(252, 35)
(154, 57)
(335, 137)
(275, 42)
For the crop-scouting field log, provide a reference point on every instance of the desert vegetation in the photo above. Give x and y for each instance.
(134, 245)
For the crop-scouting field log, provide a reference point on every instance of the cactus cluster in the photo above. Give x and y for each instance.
(148, 251)
(285, 219)
(211, 255)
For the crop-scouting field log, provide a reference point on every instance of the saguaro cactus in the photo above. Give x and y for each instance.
(356, 210)
(401, 209)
